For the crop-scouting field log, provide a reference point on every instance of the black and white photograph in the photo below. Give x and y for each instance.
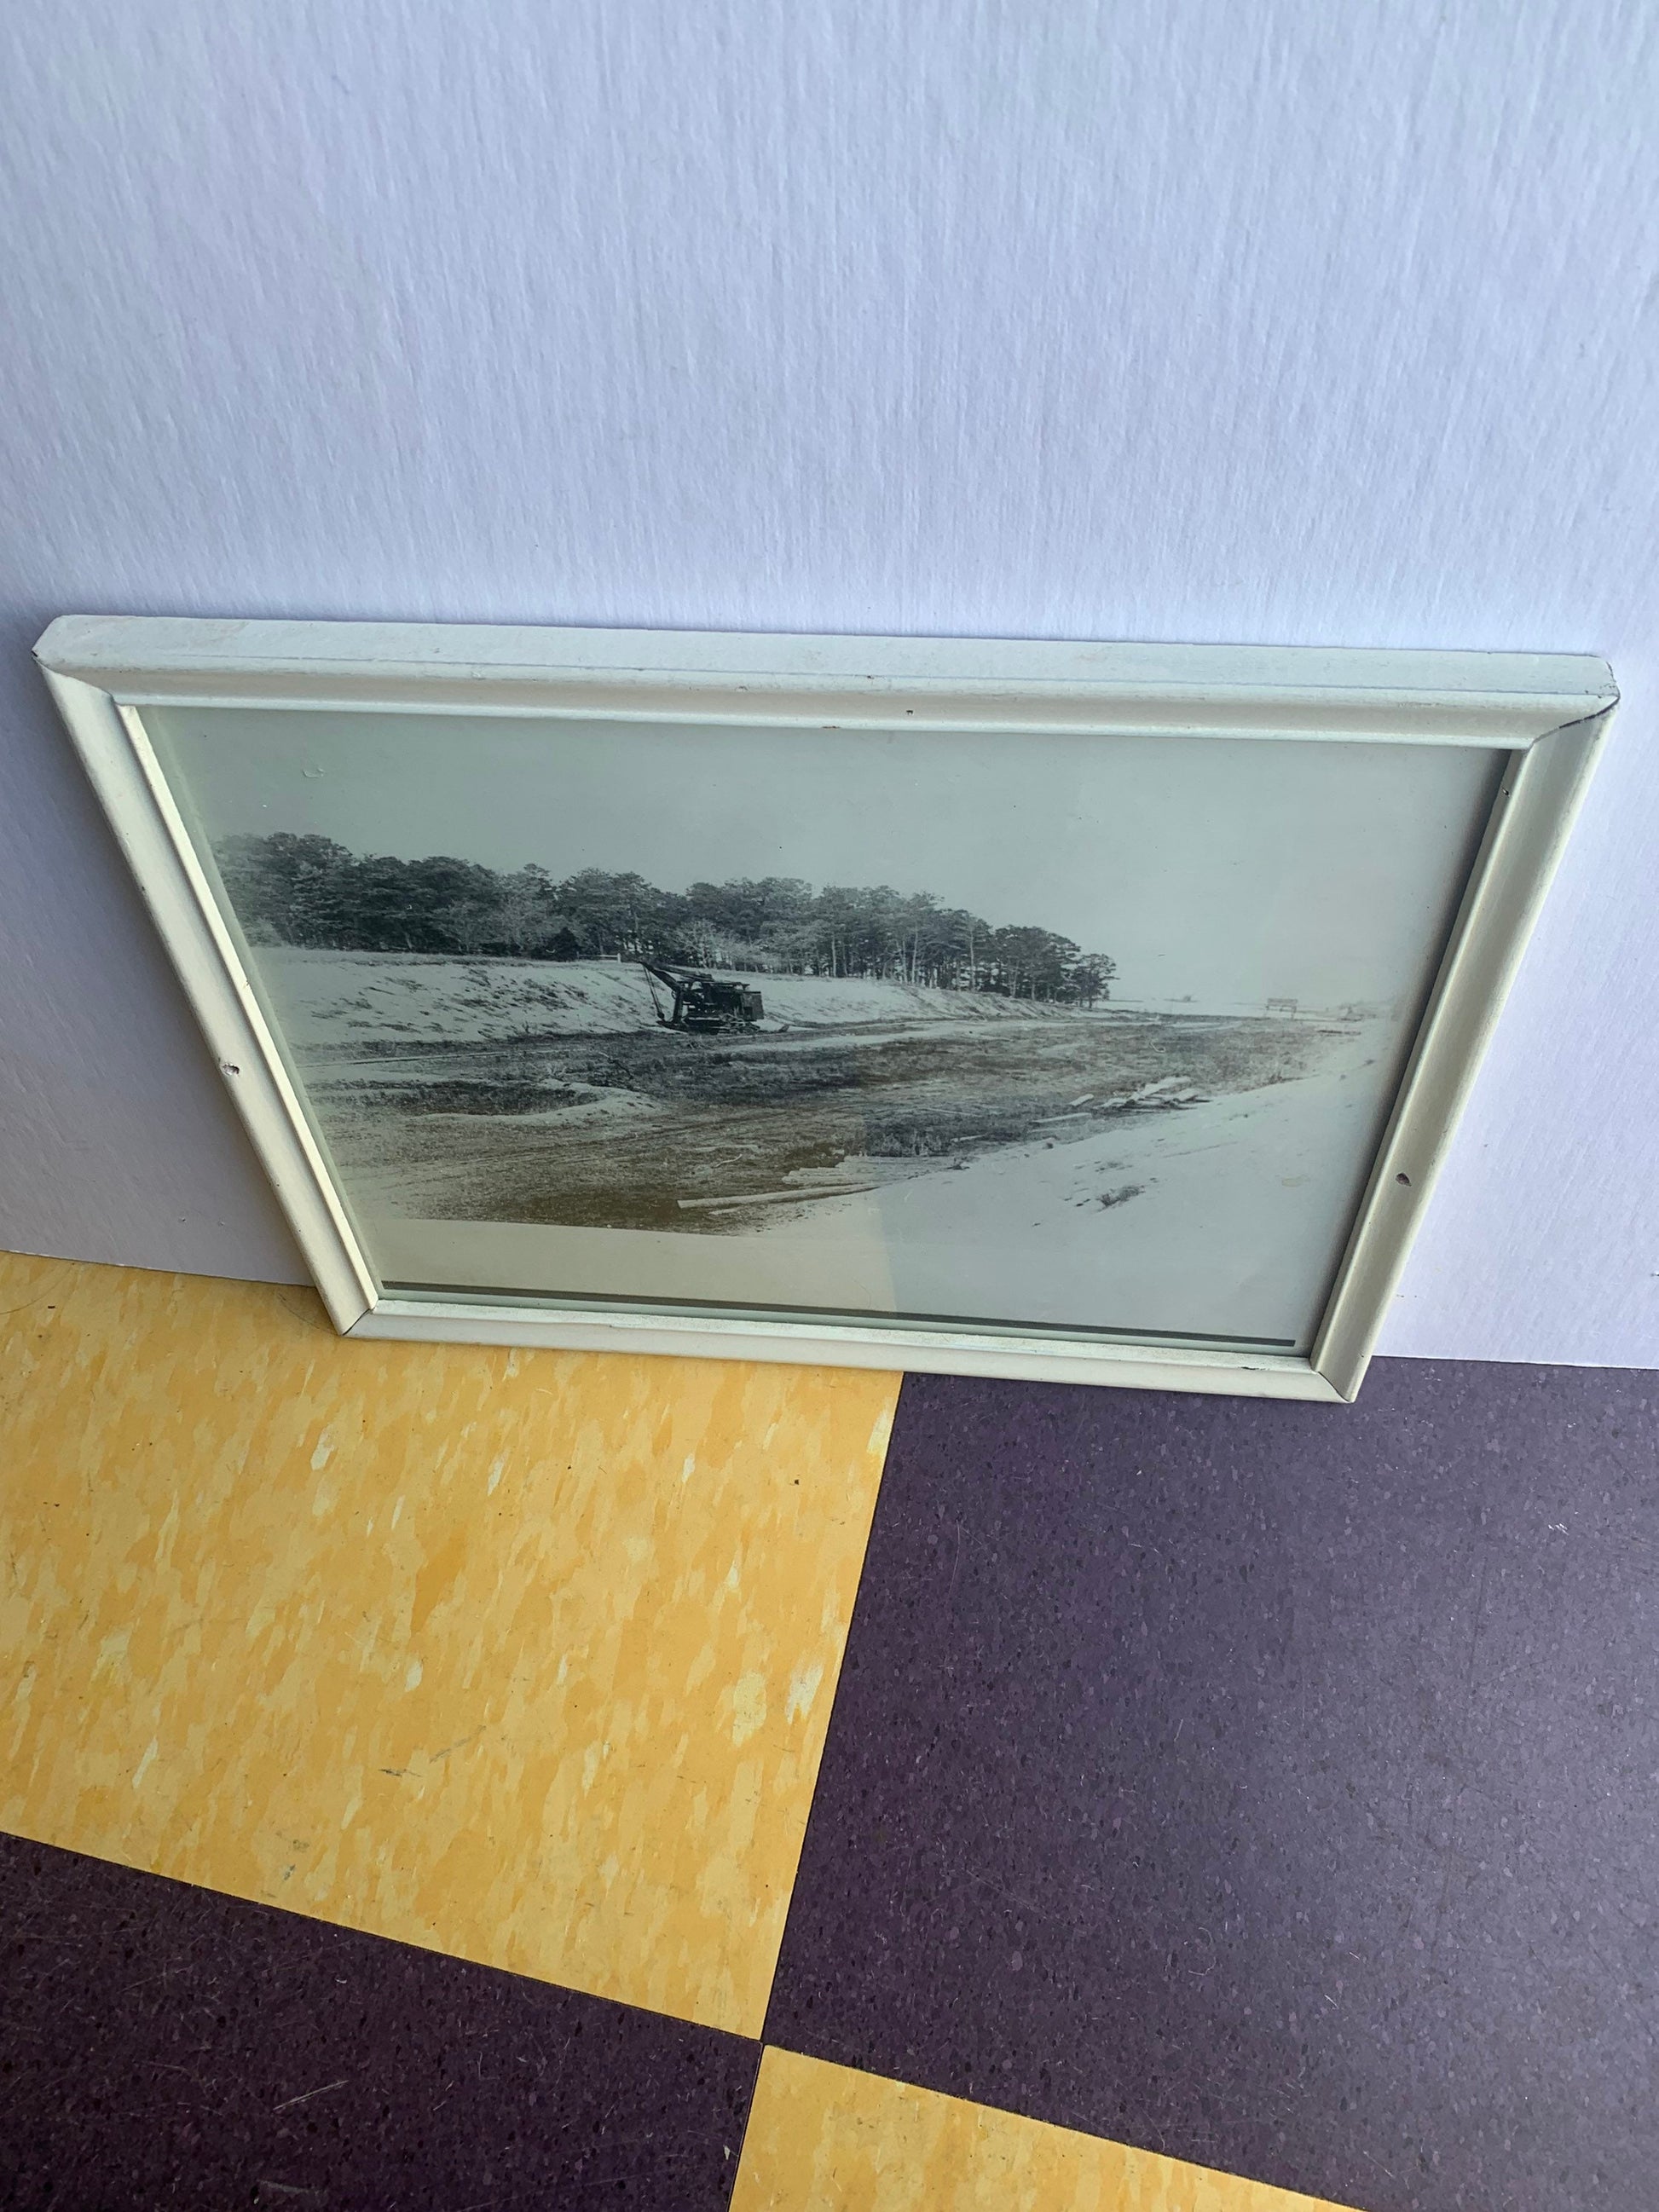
(1082, 1033)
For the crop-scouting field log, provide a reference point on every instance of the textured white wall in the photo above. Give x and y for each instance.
(1154, 319)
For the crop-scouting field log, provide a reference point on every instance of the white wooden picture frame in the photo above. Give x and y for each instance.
(1536, 718)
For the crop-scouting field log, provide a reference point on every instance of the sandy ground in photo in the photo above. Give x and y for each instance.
(874, 1145)
(1216, 1216)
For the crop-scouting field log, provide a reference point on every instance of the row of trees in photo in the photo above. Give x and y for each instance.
(309, 890)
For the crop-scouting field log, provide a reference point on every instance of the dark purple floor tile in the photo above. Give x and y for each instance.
(1274, 1786)
(161, 2045)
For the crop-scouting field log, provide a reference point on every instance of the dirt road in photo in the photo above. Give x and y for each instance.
(655, 1129)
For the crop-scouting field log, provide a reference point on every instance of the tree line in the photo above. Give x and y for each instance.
(309, 890)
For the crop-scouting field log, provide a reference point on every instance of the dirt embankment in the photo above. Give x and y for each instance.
(367, 1001)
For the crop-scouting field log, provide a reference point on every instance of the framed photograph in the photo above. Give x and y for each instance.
(1085, 1012)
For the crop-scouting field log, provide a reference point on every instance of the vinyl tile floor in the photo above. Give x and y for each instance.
(461, 1778)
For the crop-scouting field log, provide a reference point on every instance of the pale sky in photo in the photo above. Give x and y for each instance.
(1229, 870)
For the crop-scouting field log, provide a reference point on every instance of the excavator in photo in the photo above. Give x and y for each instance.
(704, 1005)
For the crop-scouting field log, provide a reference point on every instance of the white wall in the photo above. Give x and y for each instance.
(1278, 321)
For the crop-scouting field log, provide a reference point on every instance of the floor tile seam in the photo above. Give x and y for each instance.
(977, 2104)
(901, 1378)
(755, 2040)
(1292, 2200)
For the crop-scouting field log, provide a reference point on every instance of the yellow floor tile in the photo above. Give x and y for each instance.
(824, 2139)
(525, 1656)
